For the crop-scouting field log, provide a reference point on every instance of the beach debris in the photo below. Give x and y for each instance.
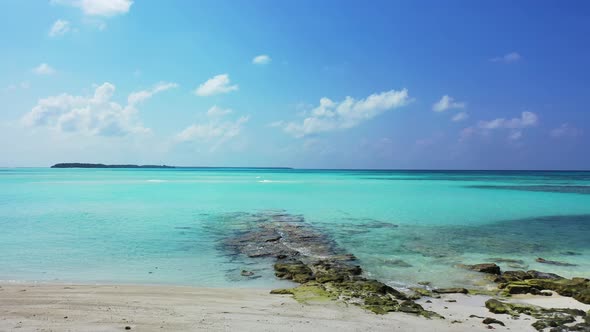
(489, 321)
(544, 261)
(323, 270)
(554, 317)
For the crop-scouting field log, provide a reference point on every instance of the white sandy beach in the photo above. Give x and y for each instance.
(58, 307)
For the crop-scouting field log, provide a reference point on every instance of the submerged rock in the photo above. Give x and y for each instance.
(544, 261)
(245, 273)
(397, 263)
(312, 259)
(505, 260)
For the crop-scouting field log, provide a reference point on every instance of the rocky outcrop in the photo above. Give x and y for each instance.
(534, 282)
(312, 259)
(555, 317)
(485, 268)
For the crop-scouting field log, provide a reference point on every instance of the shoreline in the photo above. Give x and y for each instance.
(66, 306)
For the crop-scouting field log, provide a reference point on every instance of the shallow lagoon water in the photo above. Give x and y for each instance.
(156, 226)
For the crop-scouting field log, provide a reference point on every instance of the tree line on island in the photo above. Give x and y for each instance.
(90, 165)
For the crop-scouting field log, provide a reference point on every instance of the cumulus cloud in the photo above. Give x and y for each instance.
(216, 85)
(215, 130)
(507, 58)
(59, 28)
(460, 117)
(216, 111)
(515, 126)
(95, 115)
(526, 119)
(44, 69)
(331, 115)
(261, 59)
(565, 130)
(139, 96)
(446, 103)
(105, 8)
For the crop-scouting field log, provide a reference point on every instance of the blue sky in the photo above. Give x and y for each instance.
(316, 84)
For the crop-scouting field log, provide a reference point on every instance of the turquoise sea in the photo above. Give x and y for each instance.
(164, 226)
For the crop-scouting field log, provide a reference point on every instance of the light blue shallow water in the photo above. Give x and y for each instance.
(164, 225)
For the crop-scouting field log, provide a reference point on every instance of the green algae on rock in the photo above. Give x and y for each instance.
(534, 282)
(554, 317)
(310, 258)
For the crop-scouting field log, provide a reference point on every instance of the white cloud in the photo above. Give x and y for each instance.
(44, 69)
(507, 58)
(139, 96)
(216, 112)
(216, 85)
(460, 116)
(99, 7)
(445, 103)
(262, 59)
(59, 28)
(215, 131)
(331, 116)
(95, 115)
(515, 126)
(527, 119)
(565, 130)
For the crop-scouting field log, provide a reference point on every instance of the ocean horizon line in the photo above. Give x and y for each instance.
(172, 167)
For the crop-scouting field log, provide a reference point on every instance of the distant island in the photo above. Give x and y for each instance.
(88, 165)
(84, 165)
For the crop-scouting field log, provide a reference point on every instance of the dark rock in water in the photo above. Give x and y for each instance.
(397, 263)
(312, 259)
(246, 273)
(379, 224)
(543, 275)
(451, 290)
(520, 275)
(544, 261)
(485, 268)
(570, 253)
(489, 320)
(506, 260)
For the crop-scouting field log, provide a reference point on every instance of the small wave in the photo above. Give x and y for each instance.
(157, 181)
